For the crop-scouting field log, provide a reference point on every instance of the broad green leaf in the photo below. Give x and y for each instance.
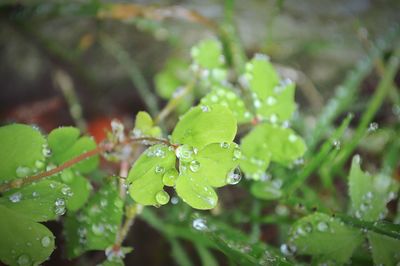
(204, 125)
(62, 138)
(144, 126)
(208, 54)
(269, 142)
(226, 97)
(325, 237)
(82, 145)
(95, 226)
(215, 162)
(256, 153)
(23, 241)
(21, 151)
(369, 194)
(80, 189)
(173, 75)
(261, 76)
(266, 190)
(40, 201)
(195, 191)
(385, 250)
(146, 175)
(280, 104)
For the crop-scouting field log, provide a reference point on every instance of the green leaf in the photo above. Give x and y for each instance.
(208, 54)
(226, 97)
(325, 237)
(385, 250)
(215, 162)
(146, 175)
(266, 190)
(62, 138)
(261, 76)
(269, 142)
(173, 75)
(195, 191)
(80, 188)
(280, 104)
(40, 201)
(369, 194)
(21, 151)
(201, 126)
(144, 126)
(82, 145)
(95, 226)
(23, 241)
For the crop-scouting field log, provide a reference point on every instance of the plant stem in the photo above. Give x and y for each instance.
(103, 147)
(130, 215)
(377, 99)
(173, 102)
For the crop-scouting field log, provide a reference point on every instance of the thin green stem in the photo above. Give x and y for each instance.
(380, 94)
(316, 160)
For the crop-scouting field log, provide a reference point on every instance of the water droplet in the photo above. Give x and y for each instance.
(200, 224)
(67, 176)
(174, 200)
(204, 108)
(162, 197)
(271, 100)
(46, 151)
(66, 191)
(292, 138)
(60, 202)
(237, 153)
(35, 194)
(194, 166)
(225, 145)
(170, 176)
(257, 103)
(287, 250)
(159, 169)
(373, 127)
(24, 259)
(234, 177)
(322, 226)
(45, 241)
(103, 203)
(39, 164)
(60, 207)
(16, 197)
(185, 153)
(273, 118)
(23, 171)
(98, 229)
(336, 143)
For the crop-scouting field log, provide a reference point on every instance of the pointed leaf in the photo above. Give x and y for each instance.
(385, 250)
(202, 126)
(21, 151)
(369, 194)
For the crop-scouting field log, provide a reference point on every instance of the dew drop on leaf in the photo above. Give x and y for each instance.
(46, 151)
(23, 171)
(200, 224)
(185, 153)
(287, 250)
(24, 259)
(16, 197)
(159, 169)
(234, 177)
(194, 166)
(322, 226)
(162, 197)
(39, 164)
(45, 241)
(225, 145)
(98, 229)
(170, 177)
